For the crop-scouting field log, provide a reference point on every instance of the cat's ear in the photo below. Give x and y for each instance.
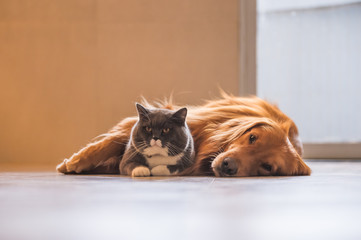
(180, 115)
(142, 111)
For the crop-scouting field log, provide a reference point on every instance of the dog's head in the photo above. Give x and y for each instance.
(256, 147)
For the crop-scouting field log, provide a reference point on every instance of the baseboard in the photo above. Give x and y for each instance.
(332, 150)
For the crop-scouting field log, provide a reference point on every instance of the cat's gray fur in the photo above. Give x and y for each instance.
(160, 143)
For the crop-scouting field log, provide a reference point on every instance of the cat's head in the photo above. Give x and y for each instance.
(160, 130)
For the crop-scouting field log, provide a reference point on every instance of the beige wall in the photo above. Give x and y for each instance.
(70, 69)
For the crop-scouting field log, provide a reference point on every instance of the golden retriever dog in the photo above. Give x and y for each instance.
(233, 136)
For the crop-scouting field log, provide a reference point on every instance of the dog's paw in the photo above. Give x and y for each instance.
(62, 167)
(71, 165)
(141, 172)
(161, 170)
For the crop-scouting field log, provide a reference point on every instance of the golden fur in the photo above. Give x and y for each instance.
(221, 129)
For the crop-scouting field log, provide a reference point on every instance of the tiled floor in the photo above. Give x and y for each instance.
(47, 205)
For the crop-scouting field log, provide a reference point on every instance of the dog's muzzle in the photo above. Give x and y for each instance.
(229, 166)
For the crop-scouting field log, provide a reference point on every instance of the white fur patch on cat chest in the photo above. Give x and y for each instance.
(161, 170)
(157, 160)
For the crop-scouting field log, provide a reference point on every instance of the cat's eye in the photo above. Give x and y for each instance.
(166, 130)
(252, 139)
(148, 129)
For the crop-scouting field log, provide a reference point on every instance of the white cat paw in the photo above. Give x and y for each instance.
(160, 170)
(141, 172)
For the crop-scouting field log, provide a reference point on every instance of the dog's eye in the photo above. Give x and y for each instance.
(252, 138)
(165, 130)
(266, 167)
(148, 129)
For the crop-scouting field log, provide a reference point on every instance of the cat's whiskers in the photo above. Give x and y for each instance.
(172, 152)
(175, 147)
(133, 153)
(175, 150)
(142, 145)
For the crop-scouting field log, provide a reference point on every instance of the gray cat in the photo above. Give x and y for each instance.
(160, 144)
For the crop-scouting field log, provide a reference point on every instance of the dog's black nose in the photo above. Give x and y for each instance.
(229, 166)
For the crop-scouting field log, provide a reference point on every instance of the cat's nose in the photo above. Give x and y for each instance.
(156, 138)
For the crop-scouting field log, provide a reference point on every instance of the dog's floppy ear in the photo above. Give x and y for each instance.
(294, 162)
(290, 128)
(302, 168)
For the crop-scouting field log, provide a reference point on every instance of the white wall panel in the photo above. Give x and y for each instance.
(309, 62)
